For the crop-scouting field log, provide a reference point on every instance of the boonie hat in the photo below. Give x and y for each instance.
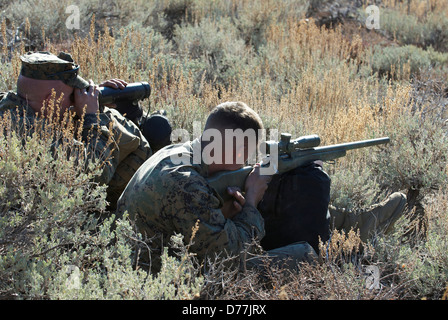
(43, 65)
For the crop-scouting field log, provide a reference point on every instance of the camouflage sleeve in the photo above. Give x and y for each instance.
(134, 150)
(100, 146)
(195, 201)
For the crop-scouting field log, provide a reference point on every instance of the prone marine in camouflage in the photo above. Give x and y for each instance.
(128, 150)
(166, 197)
(172, 191)
(170, 194)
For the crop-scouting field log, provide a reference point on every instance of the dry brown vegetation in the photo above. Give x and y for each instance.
(340, 81)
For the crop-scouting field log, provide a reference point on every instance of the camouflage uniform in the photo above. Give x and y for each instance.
(167, 196)
(128, 150)
(133, 150)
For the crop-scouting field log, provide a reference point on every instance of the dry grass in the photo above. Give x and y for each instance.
(302, 79)
(419, 8)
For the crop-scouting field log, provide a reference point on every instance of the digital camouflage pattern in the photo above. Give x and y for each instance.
(133, 149)
(44, 65)
(108, 136)
(169, 194)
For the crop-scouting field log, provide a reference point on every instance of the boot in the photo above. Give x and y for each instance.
(157, 130)
(375, 219)
(288, 257)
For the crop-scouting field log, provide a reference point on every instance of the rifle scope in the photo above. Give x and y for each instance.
(285, 145)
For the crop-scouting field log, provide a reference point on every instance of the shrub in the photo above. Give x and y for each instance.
(401, 62)
(213, 47)
(56, 240)
(436, 32)
(42, 210)
(417, 156)
(301, 79)
(419, 267)
(405, 28)
(46, 28)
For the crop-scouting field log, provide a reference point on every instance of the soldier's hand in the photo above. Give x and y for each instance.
(86, 98)
(234, 206)
(114, 83)
(256, 185)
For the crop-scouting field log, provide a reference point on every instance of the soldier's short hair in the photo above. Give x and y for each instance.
(234, 115)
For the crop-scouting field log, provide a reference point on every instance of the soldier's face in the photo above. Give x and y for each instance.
(60, 96)
(45, 96)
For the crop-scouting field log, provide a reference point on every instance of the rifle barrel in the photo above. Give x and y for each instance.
(356, 144)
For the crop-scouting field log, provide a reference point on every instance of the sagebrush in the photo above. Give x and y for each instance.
(300, 77)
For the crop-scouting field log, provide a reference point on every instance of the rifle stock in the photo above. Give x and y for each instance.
(290, 156)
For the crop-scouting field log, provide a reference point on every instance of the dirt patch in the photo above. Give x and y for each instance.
(370, 37)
